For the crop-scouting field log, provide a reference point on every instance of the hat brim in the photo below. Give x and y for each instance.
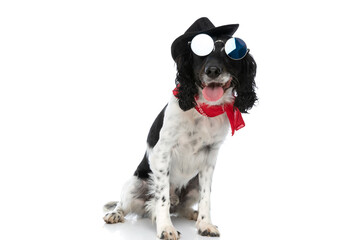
(181, 43)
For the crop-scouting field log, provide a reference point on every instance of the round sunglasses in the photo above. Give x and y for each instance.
(202, 45)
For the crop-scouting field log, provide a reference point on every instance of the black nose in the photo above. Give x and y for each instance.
(213, 72)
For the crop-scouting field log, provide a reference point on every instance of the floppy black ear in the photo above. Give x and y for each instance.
(185, 81)
(245, 84)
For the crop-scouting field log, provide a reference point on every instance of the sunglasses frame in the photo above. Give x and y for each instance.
(221, 41)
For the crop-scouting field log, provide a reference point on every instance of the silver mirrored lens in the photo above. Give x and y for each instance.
(202, 45)
(235, 48)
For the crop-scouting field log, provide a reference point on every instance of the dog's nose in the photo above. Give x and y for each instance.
(213, 71)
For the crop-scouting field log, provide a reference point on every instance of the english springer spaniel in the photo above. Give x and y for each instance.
(214, 85)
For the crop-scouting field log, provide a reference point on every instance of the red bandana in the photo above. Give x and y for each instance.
(232, 112)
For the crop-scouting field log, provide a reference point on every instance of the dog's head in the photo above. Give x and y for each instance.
(215, 78)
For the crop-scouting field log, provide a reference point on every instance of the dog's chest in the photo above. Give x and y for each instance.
(197, 139)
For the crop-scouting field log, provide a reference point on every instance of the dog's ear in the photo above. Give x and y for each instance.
(185, 81)
(245, 85)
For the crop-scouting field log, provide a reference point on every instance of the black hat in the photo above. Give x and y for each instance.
(202, 25)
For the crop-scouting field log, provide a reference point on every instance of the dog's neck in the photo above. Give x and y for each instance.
(233, 113)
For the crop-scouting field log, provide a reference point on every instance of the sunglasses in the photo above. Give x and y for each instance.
(202, 45)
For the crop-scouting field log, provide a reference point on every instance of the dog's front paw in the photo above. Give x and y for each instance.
(169, 233)
(114, 217)
(207, 229)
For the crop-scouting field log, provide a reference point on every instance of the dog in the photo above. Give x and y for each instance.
(214, 85)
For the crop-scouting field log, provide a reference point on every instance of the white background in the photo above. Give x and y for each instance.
(82, 81)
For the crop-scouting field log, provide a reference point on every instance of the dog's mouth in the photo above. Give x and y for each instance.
(213, 91)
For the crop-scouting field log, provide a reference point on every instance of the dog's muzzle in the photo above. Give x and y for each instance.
(213, 88)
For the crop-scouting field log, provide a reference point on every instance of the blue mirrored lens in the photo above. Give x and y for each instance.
(235, 48)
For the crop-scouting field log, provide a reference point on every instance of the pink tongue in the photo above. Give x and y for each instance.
(213, 94)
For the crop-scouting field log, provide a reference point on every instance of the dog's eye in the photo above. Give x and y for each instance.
(202, 45)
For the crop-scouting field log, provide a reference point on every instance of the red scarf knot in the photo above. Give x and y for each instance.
(233, 113)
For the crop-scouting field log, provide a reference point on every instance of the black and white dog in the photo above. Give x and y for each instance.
(214, 84)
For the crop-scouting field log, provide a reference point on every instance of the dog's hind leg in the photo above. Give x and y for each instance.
(132, 200)
(116, 214)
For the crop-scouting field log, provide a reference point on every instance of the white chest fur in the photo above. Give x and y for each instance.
(190, 139)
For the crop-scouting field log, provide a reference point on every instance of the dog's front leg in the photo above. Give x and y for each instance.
(160, 166)
(204, 224)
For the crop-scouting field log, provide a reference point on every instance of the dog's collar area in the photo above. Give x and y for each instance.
(233, 113)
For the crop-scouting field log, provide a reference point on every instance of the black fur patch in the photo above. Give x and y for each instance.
(143, 170)
(154, 133)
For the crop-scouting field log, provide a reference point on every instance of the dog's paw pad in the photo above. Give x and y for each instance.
(114, 217)
(207, 229)
(169, 233)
